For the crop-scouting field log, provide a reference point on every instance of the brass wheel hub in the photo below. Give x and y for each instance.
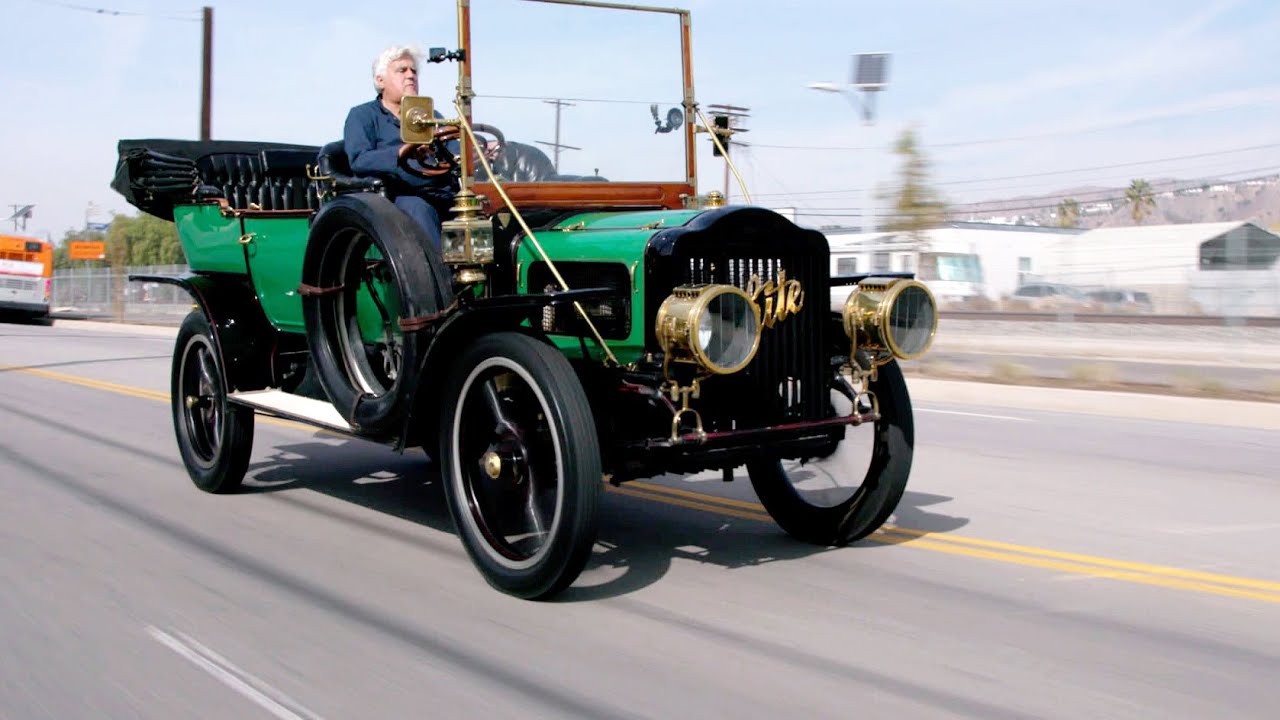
(492, 464)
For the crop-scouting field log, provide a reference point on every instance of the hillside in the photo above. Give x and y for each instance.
(1177, 201)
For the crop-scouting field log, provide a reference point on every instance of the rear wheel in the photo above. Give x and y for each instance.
(214, 436)
(521, 464)
(850, 493)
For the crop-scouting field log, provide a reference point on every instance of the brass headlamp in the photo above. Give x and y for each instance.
(891, 315)
(716, 327)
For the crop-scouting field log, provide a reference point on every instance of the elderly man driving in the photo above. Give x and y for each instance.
(371, 139)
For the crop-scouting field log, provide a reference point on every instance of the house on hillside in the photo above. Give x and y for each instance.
(1226, 268)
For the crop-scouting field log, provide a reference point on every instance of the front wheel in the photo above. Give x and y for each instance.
(850, 493)
(521, 464)
(215, 437)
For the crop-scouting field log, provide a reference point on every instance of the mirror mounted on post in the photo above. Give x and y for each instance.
(418, 119)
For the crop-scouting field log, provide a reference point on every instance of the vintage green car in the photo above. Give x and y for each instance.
(575, 329)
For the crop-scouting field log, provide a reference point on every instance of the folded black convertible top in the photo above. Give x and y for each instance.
(155, 175)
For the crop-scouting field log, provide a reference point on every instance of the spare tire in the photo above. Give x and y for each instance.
(368, 266)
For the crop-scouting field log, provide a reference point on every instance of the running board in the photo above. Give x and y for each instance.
(294, 407)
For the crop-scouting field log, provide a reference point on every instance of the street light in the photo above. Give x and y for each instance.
(868, 76)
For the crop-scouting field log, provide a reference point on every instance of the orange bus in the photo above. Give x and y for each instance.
(26, 276)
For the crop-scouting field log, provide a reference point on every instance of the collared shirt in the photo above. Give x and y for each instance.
(371, 138)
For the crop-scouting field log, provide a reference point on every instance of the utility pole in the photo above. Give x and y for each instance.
(206, 91)
(728, 118)
(21, 214)
(556, 146)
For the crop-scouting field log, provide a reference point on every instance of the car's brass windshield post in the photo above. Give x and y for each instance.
(464, 92)
(690, 103)
(533, 240)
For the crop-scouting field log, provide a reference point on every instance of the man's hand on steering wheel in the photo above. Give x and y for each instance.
(434, 158)
(430, 159)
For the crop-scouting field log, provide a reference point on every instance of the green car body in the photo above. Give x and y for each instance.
(570, 328)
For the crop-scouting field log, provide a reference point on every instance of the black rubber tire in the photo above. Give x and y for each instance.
(881, 490)
(422, 283)
(215, 440)
(566, 417)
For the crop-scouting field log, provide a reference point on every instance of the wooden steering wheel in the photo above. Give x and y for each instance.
(434, 158)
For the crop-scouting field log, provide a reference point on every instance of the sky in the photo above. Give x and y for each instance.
(1007, 97)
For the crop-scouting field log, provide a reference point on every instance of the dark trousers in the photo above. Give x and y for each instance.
(426, 212)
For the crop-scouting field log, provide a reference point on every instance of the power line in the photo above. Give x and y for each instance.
(116, 13)
(1109, 194)
(1056, 172)
(1270, 173)
(1111, 167)
(997, 140)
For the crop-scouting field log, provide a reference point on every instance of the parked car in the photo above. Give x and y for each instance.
(572, 330)
(1118, 299)
(1048, 296)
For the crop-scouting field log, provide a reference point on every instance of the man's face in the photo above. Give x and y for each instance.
(400, 79)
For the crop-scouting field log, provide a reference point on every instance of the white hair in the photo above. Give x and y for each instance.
(392, 54)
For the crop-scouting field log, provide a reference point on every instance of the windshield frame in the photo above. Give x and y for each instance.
(672, 195)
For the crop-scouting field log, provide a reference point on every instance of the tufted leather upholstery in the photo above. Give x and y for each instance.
(265, 180)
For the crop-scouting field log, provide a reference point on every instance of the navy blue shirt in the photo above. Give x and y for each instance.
(371, 138)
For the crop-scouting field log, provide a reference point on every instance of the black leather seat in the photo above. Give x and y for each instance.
(333, 164)
(263, 180)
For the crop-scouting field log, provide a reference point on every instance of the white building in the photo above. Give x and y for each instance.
(958, 261)
(1225, 268)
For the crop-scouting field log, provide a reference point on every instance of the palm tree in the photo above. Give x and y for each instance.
(1140, 200)
(1068, 213)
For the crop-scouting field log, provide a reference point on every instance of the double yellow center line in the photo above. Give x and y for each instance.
(951, 544)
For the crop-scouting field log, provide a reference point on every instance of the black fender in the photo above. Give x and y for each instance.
(242, 335)
(469, 321)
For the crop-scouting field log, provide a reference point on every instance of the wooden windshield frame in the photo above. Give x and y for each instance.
(671, 195)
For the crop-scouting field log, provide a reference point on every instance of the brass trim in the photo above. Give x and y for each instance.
(247, 238)
(497, 185)
(492, 463)
(470, 275)
(742, 185)
(868, 310)
(781, 300)
(677, 324)
(418, 119)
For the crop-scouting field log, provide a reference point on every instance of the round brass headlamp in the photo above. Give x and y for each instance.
(714, 326)
(897, 315)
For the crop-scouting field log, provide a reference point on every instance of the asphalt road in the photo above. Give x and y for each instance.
(1046, 564)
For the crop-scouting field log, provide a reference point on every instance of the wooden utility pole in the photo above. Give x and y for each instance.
(206, 90)
(735, 115)
(557, 146)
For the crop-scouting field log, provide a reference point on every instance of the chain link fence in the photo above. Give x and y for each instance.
(101, 293)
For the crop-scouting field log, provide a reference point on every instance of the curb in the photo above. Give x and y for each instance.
(1109, 403)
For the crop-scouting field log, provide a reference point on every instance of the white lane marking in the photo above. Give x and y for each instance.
(981, 415)
(267, 697)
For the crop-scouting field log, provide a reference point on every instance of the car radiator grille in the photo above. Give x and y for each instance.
(788, 380)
